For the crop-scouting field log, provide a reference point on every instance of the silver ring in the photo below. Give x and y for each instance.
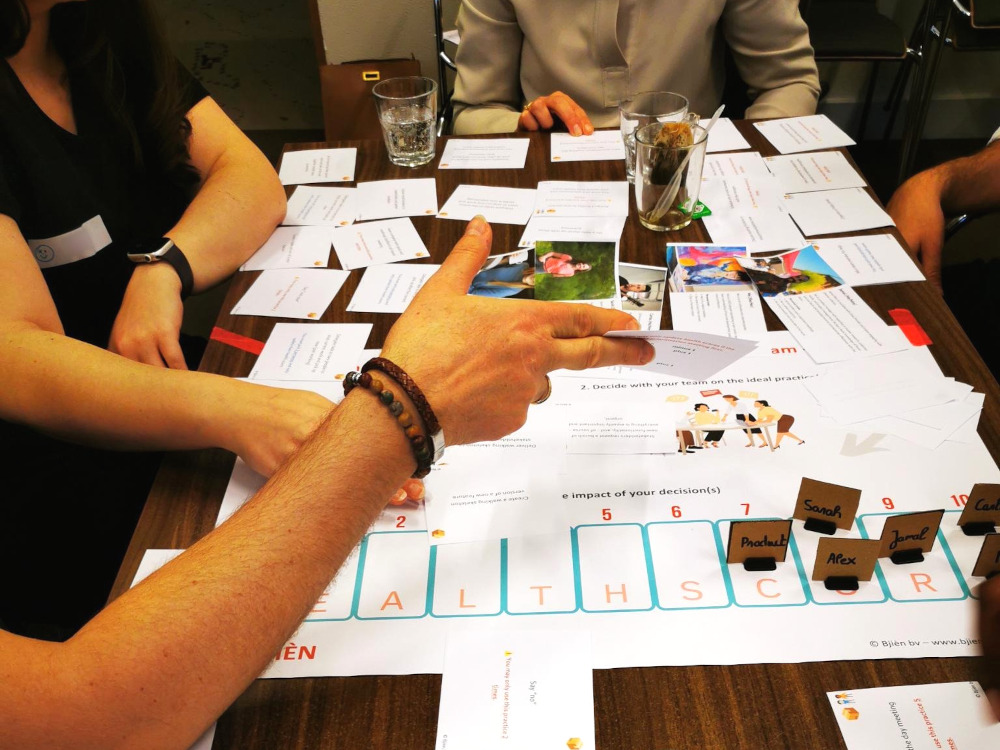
(548, 392)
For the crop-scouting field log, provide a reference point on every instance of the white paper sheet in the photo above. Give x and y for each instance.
(820, 170)
(792, 135)
(318, 165)
(291, 293)
(389, 288)
(835, 325)
(522, 688)
(763, 230)
(891, 384)
(724, 136)
(735, 165)
(484, 153)
(603, 145)
(321, 206)
(378, 242)
(689, 354)
(572, 229)
(303, 351)
(869, 259)
(292, 247)
(559, 198)
(726, 195)
(499, 205)
(830, 211)
(732, 314)
(391, 199)
(916, 717)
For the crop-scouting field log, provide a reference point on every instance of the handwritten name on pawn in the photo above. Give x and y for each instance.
(764, 541)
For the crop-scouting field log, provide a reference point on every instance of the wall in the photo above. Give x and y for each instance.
(255, 57)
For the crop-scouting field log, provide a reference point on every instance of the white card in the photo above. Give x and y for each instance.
(292, 247)
(559, 198)
(499, 205)
(516, 689)
(318, 165)
(869, 259)
(835, 324)
(377, 242)
(831, 211)
(321, 206)
(916, 717)
(724, 136)
(291, 293)
(736, 314)
(762, 230)
(735, 165)
(621, 428)
(391, 199)
(484, 153)
(689, 354)
(572, 229)
(726, 195)
(602, 145)
(303, 351)
(792, 135)
(389, 288)
(807, 173)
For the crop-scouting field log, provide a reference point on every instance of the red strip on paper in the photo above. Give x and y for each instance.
(245, 343)
(908, 324)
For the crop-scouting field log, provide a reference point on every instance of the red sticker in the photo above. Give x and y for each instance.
(908, 324)
(245, 343)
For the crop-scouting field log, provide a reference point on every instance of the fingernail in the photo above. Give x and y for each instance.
(589, 130)
(576, 130)
(477, 226)
(648, 353)
(632, 325)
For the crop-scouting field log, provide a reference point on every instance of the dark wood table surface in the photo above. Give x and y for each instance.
(753, 706)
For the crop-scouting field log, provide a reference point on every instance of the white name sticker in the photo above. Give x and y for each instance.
(78, 244)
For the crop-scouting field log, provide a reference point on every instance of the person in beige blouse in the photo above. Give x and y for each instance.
(524, 64)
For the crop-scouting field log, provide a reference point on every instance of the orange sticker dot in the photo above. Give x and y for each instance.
(444, 213)
(312, 315)
(437, 533)
(556, 158)
(317, 262)
(444, 164)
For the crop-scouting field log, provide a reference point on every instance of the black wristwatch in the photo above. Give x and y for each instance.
(164, 249)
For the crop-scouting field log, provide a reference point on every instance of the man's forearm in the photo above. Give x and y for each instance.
(162, 661)
(971, 184)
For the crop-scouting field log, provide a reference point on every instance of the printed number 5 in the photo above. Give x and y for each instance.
(606, 514)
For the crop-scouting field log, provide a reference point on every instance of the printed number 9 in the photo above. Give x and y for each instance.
(888, 503)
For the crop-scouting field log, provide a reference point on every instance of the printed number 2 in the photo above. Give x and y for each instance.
(606, 514)
(400, 521)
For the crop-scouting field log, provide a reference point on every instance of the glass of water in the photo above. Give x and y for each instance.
(407, 109)
(643, 109)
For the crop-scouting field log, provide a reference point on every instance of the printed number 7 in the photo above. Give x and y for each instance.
(746, 508)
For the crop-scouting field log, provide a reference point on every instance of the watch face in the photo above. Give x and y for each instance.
(149, 247)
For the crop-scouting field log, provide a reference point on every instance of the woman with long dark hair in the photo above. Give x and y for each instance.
(123, 187)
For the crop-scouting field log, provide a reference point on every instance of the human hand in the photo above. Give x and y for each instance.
(480, 362)
(916, 209)
(537, 115)
(148, 326)
(989, 635)
(264, 426)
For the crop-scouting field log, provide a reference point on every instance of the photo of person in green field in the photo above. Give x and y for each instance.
(575, 271)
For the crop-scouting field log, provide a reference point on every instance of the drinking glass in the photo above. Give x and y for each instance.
(667, 177)
(407, 109)
(646, 108)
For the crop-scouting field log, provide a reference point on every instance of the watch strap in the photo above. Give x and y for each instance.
(179, 262)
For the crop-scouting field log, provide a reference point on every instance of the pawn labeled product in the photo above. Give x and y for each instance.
(759, 545)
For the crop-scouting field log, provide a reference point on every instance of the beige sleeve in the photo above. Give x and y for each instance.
(770, 44)
(487, 96)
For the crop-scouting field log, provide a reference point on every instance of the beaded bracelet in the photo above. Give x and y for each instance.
(423, 453)
(395, 372)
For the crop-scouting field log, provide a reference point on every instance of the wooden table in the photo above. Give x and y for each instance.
(756, 705)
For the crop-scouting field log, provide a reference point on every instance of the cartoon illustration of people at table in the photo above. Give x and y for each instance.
(755, 418)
